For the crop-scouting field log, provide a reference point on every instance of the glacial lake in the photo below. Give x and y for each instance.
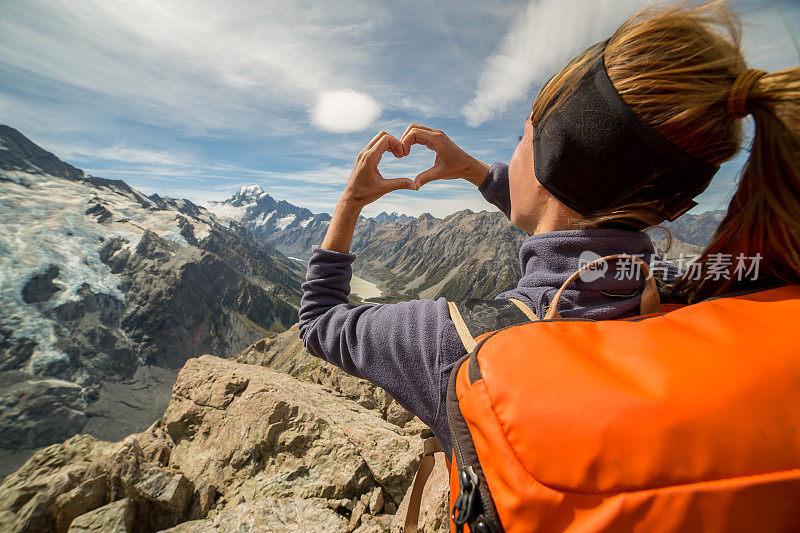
(359, 286)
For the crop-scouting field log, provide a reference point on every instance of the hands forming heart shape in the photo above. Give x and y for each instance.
(366, 184)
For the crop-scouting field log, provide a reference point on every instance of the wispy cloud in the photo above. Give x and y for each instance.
(545, 36)
(550, 32)
(120, 153)
(195, 99)
(210, 65)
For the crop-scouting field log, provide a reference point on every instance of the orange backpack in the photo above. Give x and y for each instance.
(681, 421)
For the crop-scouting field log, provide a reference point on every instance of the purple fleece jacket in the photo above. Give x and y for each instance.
(409, 348)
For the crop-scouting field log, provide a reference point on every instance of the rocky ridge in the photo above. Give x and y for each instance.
(99, 281)
(240, 447)
(464, 255)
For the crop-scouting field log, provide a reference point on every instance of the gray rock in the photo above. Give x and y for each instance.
(270, 515)
(37, 411)
(239, 448)
(434, 516)
(22, 154)
(116, 517)
(40, 287)
(164, 487)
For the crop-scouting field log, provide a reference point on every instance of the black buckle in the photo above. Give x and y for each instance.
(465, 502)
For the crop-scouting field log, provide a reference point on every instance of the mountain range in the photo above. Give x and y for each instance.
(106, 292)
(464, 255)
(265, 216)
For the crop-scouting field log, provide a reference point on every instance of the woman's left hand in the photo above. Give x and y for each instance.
(366, 183)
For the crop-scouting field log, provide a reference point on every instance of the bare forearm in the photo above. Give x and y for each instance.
(343, 224)
(476, 173)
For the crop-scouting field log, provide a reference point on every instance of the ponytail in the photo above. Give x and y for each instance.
(681, 69)
(763, 219)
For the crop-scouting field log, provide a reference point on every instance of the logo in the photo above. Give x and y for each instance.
(597, 269)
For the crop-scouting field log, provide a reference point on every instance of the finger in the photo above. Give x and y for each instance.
(413, 126)
(406, 146)
(375, 139)
(399, 183)
(420, 136)
(416, 127)
(385, 143)
(426, 177)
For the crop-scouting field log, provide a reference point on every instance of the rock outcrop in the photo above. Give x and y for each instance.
(240, 447)
(285, 353)
(98, 281)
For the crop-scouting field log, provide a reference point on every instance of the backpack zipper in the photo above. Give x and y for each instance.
(478, 512)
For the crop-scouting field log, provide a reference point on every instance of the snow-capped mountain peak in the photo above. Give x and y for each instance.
(63, 232)
(259, 212)
(249, 192)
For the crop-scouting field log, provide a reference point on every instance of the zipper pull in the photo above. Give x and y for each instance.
(465, 502)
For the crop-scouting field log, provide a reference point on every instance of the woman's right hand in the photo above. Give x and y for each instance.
(451, 161)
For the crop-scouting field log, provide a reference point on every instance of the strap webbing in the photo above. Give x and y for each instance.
(430, 447)
(461, 327)
(525, 309)
(650, 301)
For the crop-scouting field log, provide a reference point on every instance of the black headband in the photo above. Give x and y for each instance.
(594, 150)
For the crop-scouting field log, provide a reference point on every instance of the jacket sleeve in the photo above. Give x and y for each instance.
(407, 348)
(495, 188)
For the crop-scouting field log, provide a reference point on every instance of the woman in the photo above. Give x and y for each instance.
(576, 187)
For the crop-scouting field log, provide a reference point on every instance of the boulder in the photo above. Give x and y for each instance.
(285, 353)
(270, 514)
(29, 498)
(116, 517)
(254, 432)
(64, 481)
(239, 447)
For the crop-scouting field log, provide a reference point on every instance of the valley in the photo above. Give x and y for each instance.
(106, 293)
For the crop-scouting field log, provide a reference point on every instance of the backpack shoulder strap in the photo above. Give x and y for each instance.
(474, 317)
(431, 446)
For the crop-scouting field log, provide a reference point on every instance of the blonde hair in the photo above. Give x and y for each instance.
(681, 69)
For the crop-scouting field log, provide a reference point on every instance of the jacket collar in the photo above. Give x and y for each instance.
(548, 259)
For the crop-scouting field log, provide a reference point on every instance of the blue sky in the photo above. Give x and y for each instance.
(196, 99)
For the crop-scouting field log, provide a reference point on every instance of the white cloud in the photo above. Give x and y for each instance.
(548, 33)
(208, 65)
(120, 153)
(344, 111)
(545, 36)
